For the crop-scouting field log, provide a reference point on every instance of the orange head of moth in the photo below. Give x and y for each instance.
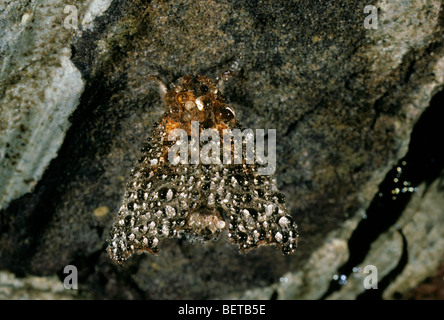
(197, 98)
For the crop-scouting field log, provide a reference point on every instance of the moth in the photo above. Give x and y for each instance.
(198, 201)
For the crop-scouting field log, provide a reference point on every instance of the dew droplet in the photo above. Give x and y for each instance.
(284, 222)
(170, 211)
(169, 195)
(189, 105)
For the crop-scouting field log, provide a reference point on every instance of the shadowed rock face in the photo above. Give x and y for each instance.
(343, 99)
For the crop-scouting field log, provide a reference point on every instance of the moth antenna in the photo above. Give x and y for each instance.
(162, 86)
(221, 78)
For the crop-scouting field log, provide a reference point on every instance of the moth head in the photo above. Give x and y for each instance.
(197, 98)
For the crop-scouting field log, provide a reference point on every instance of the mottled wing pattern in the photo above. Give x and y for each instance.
(256, 209)
(164, 201)
(197, 201)
(144, 204)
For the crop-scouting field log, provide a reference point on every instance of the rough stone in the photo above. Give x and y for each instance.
(32, 288)
(344, 101)
(40, 89)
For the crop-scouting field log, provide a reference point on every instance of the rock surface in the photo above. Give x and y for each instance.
(33, 287)
(76, 107)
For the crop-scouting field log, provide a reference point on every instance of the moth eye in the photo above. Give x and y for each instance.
(204, 88)
(225, 113)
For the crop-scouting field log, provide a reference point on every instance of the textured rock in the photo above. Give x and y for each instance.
(32, 287)
(431, 288)
(344, 101)
(40, 88)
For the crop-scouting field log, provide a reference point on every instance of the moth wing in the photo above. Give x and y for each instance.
(151, 208)
(256, 209)
(257, 212)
